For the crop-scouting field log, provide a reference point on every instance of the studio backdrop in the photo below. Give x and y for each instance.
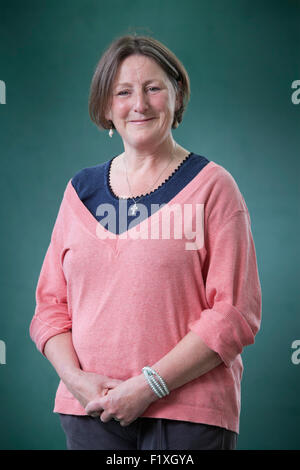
(243, 60)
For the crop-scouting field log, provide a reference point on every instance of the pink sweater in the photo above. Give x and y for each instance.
(130, 298)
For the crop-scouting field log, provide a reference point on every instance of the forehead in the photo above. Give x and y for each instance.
(137, 68)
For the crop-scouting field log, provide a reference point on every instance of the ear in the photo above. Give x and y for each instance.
(108, 113)
(108, 116)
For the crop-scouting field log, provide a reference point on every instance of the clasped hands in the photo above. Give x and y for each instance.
(109, 398)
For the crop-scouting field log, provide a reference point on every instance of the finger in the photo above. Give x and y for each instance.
(126, 423)
(113, 383)
(105, 417)
(94, 405)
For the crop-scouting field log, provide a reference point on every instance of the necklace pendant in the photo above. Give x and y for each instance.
(133, 209)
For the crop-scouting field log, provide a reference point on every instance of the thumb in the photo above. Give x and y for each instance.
(95, 405)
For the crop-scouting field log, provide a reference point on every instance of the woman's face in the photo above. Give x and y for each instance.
(143, 102)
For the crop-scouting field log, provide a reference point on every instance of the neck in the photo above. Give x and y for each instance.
(149, 161)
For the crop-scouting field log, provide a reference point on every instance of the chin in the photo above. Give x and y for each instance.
(141, 137)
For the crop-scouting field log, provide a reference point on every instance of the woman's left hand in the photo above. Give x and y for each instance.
(125, 403)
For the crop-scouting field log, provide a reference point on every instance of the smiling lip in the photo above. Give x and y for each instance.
(143, 120)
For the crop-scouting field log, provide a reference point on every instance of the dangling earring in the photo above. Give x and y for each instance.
(111, 132)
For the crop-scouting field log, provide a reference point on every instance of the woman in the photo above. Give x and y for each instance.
(145, 327)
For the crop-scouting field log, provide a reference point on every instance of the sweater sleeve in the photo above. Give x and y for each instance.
(51, 315)
(232, 287)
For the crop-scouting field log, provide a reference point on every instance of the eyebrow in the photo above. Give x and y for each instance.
(145, 83)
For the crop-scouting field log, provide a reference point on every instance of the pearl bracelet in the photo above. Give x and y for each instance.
(159, 388)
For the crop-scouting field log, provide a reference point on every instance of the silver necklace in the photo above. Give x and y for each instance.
(133, 209)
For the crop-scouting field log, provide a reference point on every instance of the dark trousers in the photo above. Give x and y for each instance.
(87, 433)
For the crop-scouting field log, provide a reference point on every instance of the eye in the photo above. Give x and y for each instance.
(122, 93)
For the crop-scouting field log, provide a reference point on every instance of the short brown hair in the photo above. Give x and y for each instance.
(107, 67)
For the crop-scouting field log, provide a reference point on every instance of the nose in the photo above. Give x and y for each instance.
(141, 104)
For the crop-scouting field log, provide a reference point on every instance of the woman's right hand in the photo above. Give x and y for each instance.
(86, 386)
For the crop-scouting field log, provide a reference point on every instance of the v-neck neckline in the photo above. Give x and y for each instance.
(92, 224)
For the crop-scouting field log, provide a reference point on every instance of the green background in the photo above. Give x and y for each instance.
(242, 57)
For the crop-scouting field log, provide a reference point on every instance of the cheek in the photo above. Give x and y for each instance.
(162, 103)
(120, 108)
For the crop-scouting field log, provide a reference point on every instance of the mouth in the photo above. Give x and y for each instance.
(141, 121)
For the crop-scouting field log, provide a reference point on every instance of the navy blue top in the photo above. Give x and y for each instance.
(92, 185)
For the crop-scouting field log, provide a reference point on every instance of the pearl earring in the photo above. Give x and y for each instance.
(111, 132)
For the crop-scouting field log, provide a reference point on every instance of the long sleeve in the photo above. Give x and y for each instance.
(111, 290)
(232, 288)
(51, 315)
